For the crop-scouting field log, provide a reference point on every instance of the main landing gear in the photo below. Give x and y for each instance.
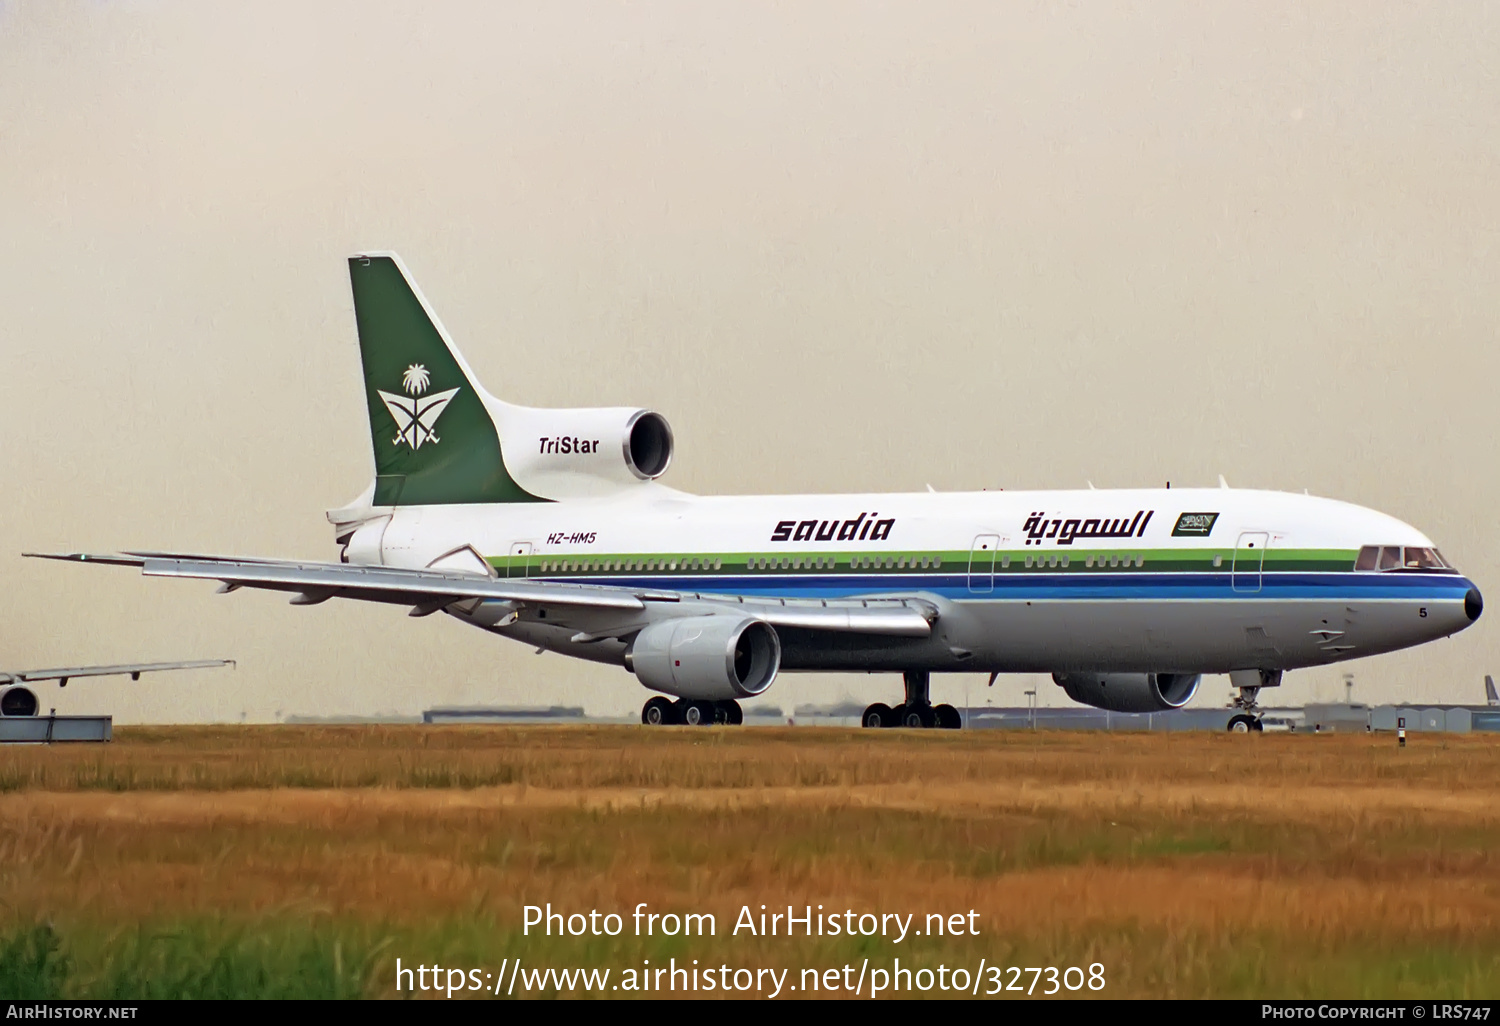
(916, 711)
(660, 712)
(1249, 683)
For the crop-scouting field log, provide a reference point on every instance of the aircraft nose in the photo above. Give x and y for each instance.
(1473, 604)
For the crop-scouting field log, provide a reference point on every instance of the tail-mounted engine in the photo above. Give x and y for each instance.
(1130, 692)
(560, 454)
(706, 657)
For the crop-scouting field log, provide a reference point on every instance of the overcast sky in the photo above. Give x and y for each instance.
(842, 246)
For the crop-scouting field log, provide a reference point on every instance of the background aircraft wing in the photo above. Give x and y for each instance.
(66, 673)
(431, 589)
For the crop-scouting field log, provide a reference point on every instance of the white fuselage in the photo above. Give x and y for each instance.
(1178, 580)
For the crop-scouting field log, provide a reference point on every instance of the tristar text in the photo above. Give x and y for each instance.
(567, 445)
(861, 528)
(1039, 527)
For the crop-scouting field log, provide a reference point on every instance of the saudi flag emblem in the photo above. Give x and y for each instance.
(416, 414)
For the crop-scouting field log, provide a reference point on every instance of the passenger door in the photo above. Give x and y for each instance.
(520, 560)
(982, 563)
(1249, 558)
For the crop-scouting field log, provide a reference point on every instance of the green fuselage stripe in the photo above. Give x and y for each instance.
(953, 561)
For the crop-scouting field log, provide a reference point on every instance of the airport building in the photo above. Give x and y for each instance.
(1313, 718)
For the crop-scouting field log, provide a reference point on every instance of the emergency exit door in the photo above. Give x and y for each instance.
(982, 563)
(1249, 560)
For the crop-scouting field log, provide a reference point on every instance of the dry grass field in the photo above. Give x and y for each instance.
(303, 861)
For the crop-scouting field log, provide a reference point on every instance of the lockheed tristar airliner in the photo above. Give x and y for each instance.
(551, 527)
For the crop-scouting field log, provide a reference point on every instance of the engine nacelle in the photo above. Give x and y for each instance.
(707, 657)
(1130, 692)
(576, 453)
(18, 701)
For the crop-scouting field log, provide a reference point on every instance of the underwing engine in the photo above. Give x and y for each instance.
(711, 658)
(18, 701)
(1130, 692)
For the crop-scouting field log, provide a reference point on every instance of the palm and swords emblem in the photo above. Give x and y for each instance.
(415, 414)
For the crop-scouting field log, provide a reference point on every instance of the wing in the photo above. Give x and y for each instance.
(434, 588)
(318, 582)
(66, 673)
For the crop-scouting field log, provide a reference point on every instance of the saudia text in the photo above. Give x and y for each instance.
(1040, 528)
(862, 527)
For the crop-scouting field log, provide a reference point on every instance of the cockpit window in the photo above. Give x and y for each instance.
(1393, 557)
(1422, 559)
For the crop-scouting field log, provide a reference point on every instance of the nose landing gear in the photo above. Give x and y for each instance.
(916, 711)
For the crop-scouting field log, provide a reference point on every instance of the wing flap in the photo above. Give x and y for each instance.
(891, 620)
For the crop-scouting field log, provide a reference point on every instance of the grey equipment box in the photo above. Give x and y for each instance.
(47, 729)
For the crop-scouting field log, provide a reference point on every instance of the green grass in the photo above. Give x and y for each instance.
(284, 959)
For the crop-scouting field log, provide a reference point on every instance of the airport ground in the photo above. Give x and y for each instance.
(303, 861)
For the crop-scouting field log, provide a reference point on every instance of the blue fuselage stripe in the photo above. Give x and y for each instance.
(1063, 586)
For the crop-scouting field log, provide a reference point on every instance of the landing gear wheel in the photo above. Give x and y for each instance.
(728, 713)
(878, 715)
(898, 716)
(948, 717)
(1243, 724)
(695, 714)
(919, 716)
(658, 712)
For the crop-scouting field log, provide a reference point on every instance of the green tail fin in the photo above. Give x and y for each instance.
(434, 440)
